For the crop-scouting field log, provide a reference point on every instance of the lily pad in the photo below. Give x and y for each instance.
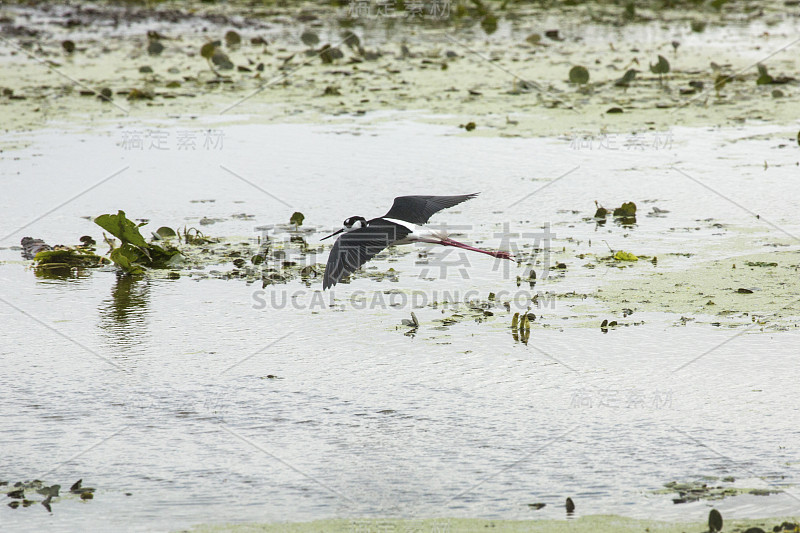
(232, 39)
(154, 48)
(579, 75)
(207, 50)
(309, 38)
(661, 67)
(714, 521)
(221, 60)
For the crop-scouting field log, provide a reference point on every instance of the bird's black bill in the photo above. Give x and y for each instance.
(332, 234)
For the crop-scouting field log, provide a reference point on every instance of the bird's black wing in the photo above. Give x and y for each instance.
(418, 209)
(356, 247)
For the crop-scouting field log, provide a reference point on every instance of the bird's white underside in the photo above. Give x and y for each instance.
(418, 233)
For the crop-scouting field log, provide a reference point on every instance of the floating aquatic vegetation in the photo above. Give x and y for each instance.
(660, 68)
(714, 521)
(699, 490)
(140, 94)
(600, 212)
(625, 256)
(232, 39)
(215, 56)
(489, 23)
(352, 40)
(297, 219)
(309, 38)
(579, 75)
(626, 210)
(134, 253)
(64, 257)
(626, 79)
(521, 326)
(413, 323)
(48, 492)
(154, 48)
(60, 260)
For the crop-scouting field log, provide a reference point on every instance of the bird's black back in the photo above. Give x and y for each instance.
(418, 209)
(354, 248)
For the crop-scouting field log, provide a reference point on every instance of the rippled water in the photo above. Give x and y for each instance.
(206, 409)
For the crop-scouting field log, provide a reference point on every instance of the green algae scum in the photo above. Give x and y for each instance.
(171, 361)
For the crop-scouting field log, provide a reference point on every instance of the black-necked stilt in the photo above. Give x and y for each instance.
(363, 239)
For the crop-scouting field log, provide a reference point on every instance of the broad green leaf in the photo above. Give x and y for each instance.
(122, 228)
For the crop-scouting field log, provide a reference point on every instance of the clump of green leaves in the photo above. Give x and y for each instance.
(134, 253)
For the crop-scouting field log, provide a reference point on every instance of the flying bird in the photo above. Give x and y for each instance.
(363, 239)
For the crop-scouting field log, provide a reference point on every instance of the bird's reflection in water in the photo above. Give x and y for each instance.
(123, 316)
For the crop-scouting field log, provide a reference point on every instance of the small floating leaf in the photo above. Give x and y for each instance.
(625, 256)
(155, 48)
(297, 218)
(221, 60)
(714, 521)
(351, 39)
(763, 76)
(207, 50)
(165, 232)
(662, 67)
(579, 75)
(626, 78)
(489, 24)
(68, 46)
(533, 38)
(309, 38)
(232, 39)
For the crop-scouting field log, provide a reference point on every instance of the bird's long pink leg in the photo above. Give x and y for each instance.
(498, 254)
